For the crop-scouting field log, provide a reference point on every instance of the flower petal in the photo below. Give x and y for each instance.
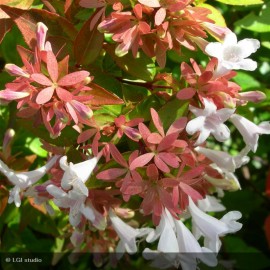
(41, 79)
(45, 95)
(52, 66)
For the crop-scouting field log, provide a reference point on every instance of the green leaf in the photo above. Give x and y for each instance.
(22, 4)
(134, 93)
(111, 84)
(68, 135)
(256, 23)
(141, 67)
(245, 256)
(215, 15)
(35, 147)
(142, 110)
(246, 81)
(172, 111)
(37, 220)
(88, 42)
(241, 2)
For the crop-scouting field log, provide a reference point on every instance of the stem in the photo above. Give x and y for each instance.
(144, 84)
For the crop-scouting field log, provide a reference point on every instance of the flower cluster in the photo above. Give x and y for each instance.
(158, 26)
(44, 89)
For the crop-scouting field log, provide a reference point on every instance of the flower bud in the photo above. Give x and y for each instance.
(14, 70)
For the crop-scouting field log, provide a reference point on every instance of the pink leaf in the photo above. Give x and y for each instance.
(178, 125)
(170, 159)
(133, 155)
(117, 156)
(141, 161)
(194, 194)
(169, 182)
(111, 174)
(186, 93)
(167, 141)
(205, 77)
(41, 79)
(160, 16)
(72, 113)
(45, 95)
(86, 135)
(157, 122)
(73, 78)
(132, 189)
(154, 138)
(145, 132)
(138, 11)
(161, 164)
(152, 172)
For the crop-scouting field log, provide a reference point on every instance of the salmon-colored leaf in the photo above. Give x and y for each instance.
(111, 174)
(186, 93)
(102, 96)
(141, 161)
(4, 194)
(5, 26)
(194, 194)
(26, 20)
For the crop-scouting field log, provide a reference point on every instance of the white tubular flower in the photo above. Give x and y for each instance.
(211, 228)
(76, 175)
(176, 246)
(127, 235)
(249, 130)
(223, 160)
(232, 54)
(191, 249)
(73, 200)
(209, 121)
(23, 180)
(167, 253)
(210, 204)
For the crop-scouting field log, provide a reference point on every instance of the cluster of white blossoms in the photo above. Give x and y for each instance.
(177, 245)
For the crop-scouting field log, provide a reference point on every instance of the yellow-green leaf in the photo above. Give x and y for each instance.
(241, 2)
(215, 15)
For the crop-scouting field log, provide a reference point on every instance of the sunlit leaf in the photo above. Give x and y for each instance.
(241, 2)
(141, 67)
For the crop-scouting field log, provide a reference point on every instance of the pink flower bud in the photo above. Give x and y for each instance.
(41, 35)
(254, 96)
(16, 71)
